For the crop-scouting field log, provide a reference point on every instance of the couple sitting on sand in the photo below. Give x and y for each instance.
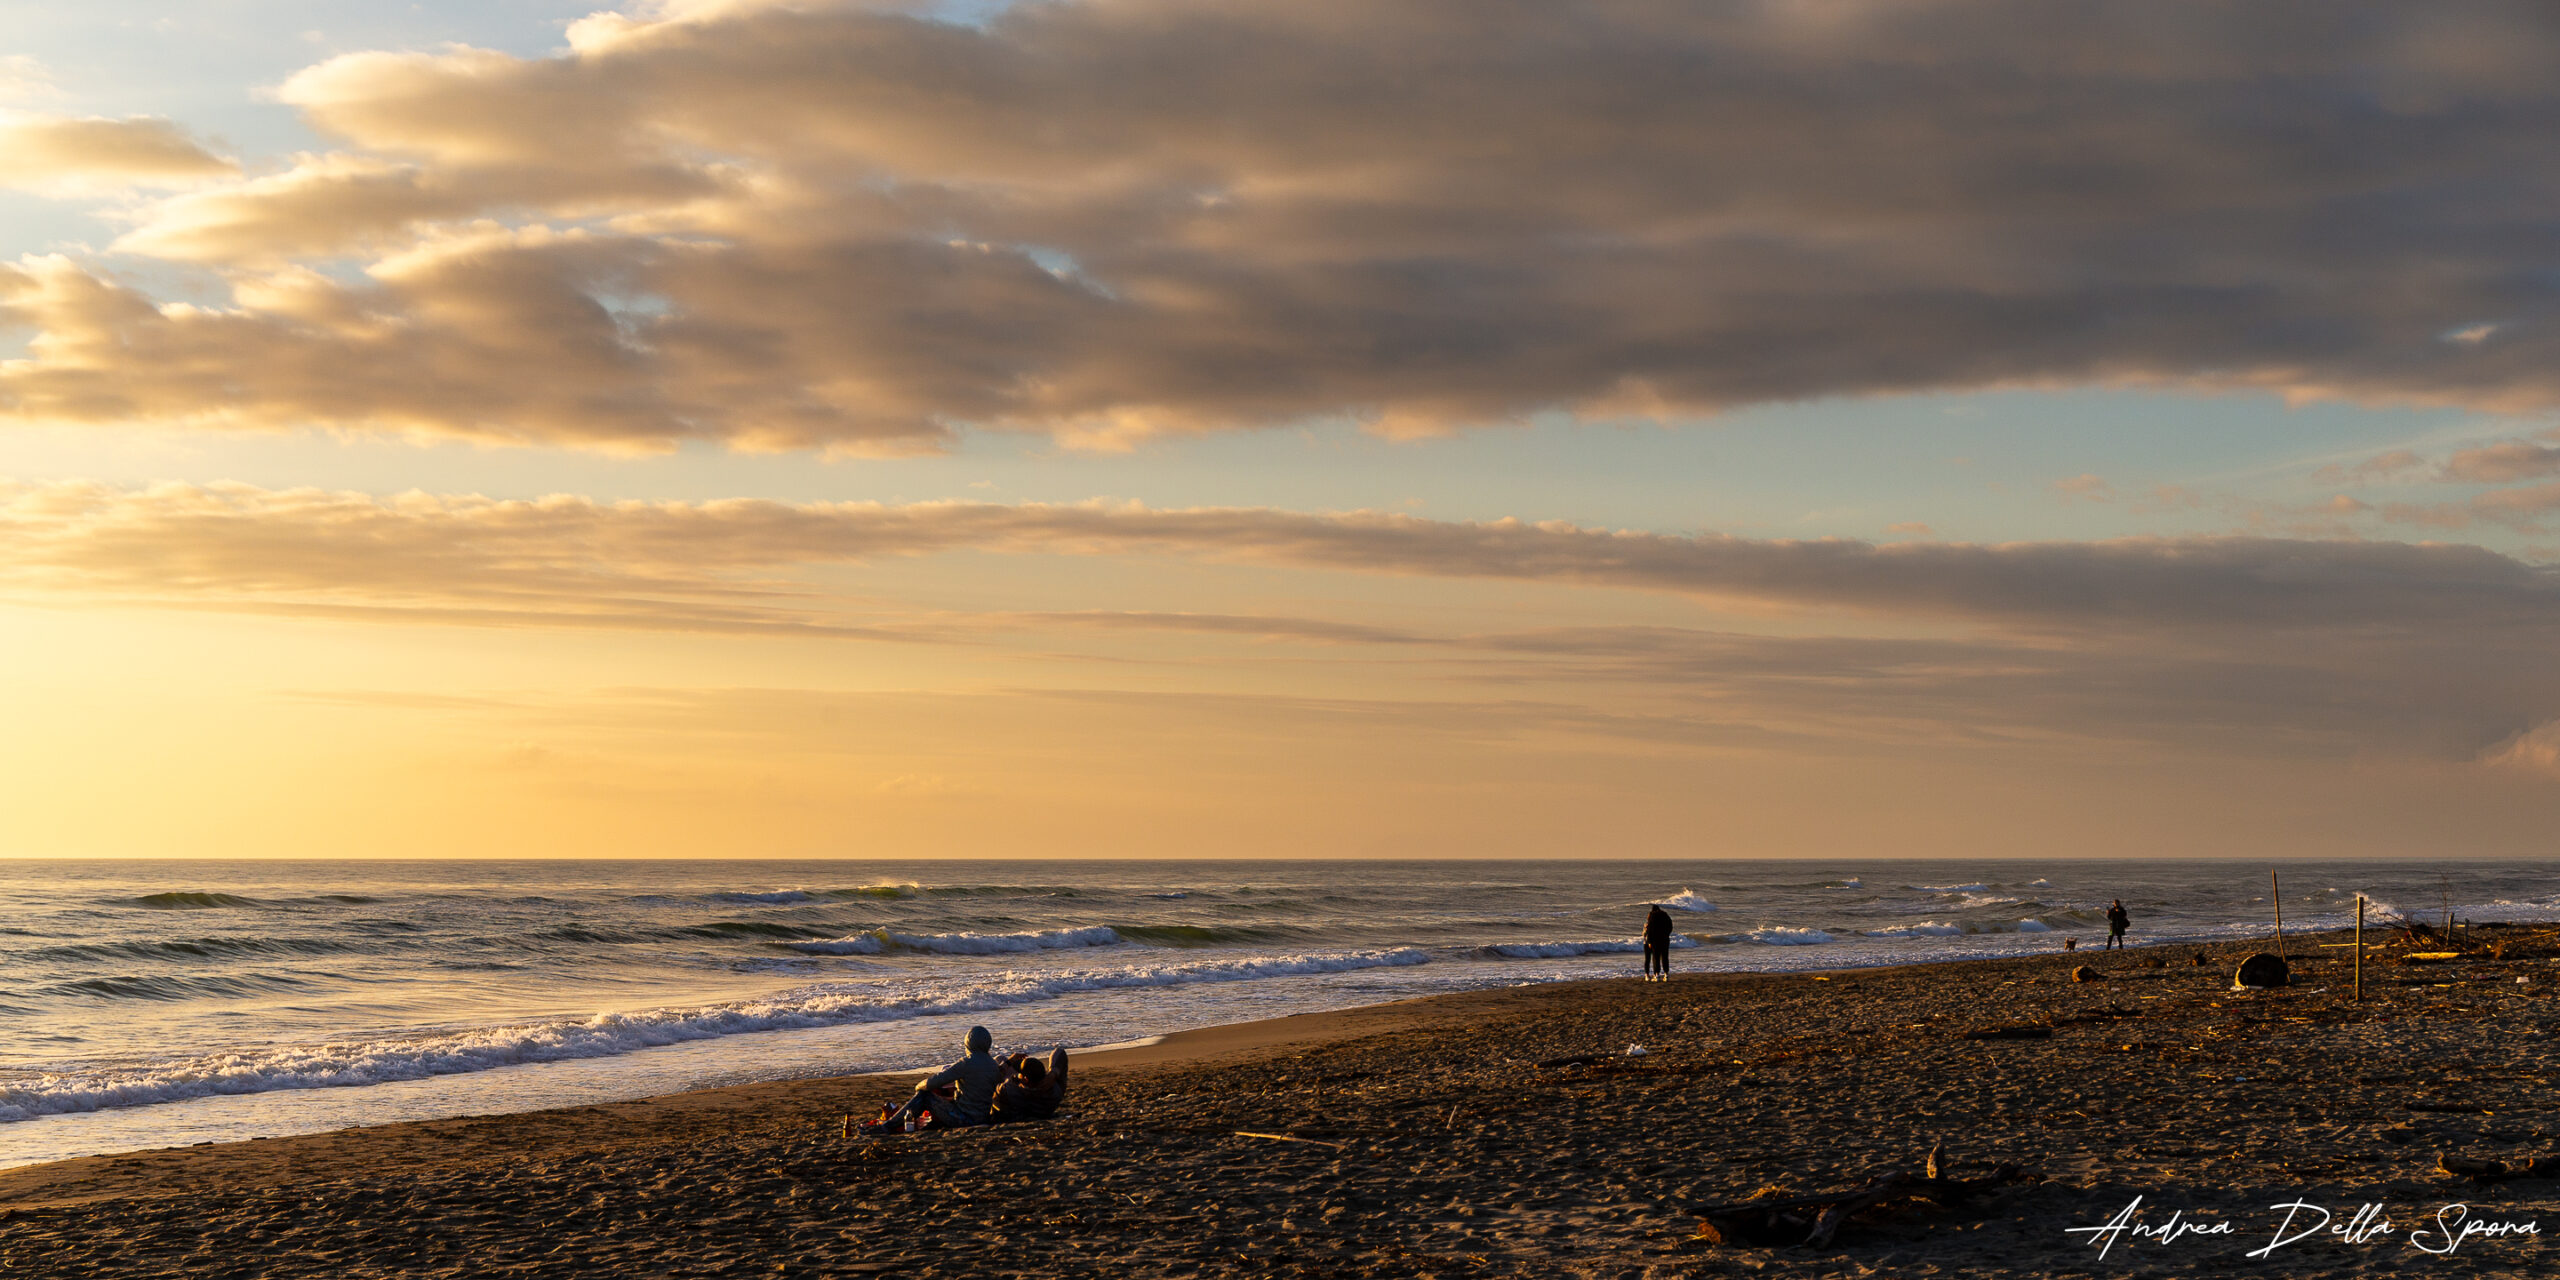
(980, 1090)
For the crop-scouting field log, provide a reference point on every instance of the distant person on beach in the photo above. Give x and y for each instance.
(1657, 945)
(972, 1081)
(2117, 923)
(1034, 1090)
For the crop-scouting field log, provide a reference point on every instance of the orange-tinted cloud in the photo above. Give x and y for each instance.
(48, 153)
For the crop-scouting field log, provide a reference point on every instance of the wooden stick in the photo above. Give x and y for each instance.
(1291, 1137)
(2359, 947)
(2276, 892)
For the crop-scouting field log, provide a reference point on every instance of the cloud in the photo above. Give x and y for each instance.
(2502, 463)
(2268, 645)
(2088, 487)
(2382, 467)
(735, 559)
(2534, 752)
(849, 226)
(2522, 508)
(70, 154)
(23, 77)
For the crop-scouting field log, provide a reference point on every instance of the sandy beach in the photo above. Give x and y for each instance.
(1439, 1145)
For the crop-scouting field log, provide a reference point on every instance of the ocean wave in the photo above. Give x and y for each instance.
(1777, 936)
(1200, 935)
(184, 901)
(875, 941)
(377, 1061)
(1948, 888)
(773, 897)
(1688, 900)
(191, 949)
(1560, 950)
(1925, 929)
(174, 986)
(884, 889)
(2034, 926)
(1852, 882)
(742, 929)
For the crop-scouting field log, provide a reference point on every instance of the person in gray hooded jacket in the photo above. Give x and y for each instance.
(976, 1078)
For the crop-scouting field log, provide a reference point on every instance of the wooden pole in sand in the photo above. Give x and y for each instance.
(2275, 894)
(2359, 947)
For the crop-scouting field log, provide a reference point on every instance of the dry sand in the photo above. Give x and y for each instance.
(1456, 1154)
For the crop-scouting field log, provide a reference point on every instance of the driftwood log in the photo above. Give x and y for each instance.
(1817, 1219)
(2497, 1170)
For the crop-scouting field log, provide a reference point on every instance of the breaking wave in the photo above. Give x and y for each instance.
(1779, 936)
(1560, 950)
(437, 1053)
(1688, 900)
(1925, 929)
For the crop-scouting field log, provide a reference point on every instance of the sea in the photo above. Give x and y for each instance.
(148, 1004)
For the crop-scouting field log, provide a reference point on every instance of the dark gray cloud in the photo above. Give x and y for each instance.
(850, 226)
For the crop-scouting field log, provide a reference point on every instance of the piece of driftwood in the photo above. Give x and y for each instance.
(2497, 1170)
(2086, 974)
(1817, 1220)
(1290, 1137)
(2010, 1033)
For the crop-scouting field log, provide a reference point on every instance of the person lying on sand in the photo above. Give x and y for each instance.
(971, 1084)
(1034, 1090)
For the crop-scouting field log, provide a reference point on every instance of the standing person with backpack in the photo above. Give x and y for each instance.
(2117, 923)
(1657, 945)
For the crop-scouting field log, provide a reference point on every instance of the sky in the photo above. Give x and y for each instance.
(1800, 428)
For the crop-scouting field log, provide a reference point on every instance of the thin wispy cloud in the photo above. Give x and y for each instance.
(178, 539)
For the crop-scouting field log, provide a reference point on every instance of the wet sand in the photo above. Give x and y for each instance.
(1441, 1146)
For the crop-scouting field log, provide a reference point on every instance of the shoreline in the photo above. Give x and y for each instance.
(1205, 1045)
(1146, 1049)
(1493, 1132)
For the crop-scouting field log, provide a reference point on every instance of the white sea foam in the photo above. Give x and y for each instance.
(2039, 883)
(2034, 926)
(1560, 950)
(876, 941)
(1852, 882)
(437, 1053)
(1925, 929)
(1948, 888)
(1688, 900)
(1781, 936)
(775, 897)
